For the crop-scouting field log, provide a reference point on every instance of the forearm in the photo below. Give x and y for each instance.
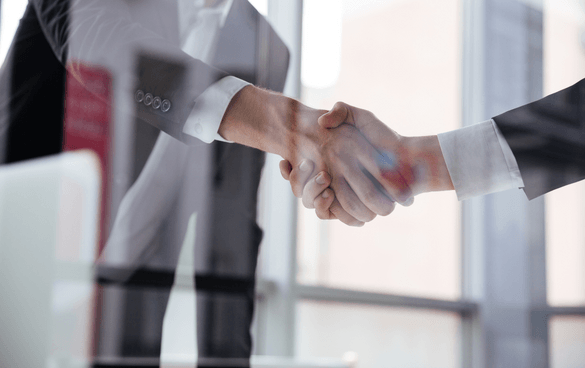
(272, 123)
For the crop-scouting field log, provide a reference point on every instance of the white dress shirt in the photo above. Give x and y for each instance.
(479, 160)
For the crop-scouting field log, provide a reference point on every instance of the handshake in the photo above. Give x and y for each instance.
(345, 163)
(365, 168)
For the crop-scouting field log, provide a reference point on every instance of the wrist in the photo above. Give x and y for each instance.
(243, 121)
(257, 118)
(272, 123)
(428, 163)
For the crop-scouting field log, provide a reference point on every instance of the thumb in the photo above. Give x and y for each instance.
(339, 114)
(285, 169)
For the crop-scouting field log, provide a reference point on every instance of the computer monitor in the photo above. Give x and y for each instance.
(48, 235)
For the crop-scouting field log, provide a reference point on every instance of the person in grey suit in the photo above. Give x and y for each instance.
(160, 55)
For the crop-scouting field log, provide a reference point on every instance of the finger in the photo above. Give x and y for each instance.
(339, 114)
(398, 187)
(299, 177)
(406, 170)
(370, 194)
(314, 187)
(322, 204)
(285, 169)
(364, 185)
(350, 201)
(338, 211)
(392, 173)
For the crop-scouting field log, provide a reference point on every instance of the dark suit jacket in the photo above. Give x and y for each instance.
(33, 87)
(547, 138)
(109, 28)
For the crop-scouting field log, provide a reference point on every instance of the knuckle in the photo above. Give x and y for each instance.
(403, 196)
(363, 214)
(322, 215)
(369, 217)
(296, 189)
(352, 208)
(307, 203)
(371, 195)
(386, 210)
(350, 221)
(322, 205)
(356, 223)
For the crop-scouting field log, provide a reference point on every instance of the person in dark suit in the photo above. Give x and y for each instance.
(160, 56)
(538, 147)
(130, 39)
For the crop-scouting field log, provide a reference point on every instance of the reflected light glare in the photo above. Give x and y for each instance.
(12, 11)
(261, 6)
(321, 54)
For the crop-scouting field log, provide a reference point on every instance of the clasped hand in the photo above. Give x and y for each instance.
(369, 168)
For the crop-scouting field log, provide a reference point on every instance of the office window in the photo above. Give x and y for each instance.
(564, 65)
(11, 12)
(567, 341)
(378, 336)
(400, 60)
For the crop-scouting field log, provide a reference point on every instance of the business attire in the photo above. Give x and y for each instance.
(168, 70)
(548, 137)
(538, 147)
(138, 42)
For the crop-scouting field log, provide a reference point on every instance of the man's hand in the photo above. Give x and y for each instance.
(406, 165)
(277, 124)
(315, 192)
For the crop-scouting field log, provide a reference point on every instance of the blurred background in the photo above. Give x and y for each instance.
(491, 282)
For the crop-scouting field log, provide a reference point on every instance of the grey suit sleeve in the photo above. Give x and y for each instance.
(547, 138)
(103, 33)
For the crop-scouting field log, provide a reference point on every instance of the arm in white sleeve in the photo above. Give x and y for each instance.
(479, 160)
(205, 118)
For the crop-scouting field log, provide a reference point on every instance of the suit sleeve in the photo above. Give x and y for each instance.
(547, 138)
(103, 33)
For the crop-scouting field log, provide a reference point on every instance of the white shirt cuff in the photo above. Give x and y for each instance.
(204, 120)
(479, 160)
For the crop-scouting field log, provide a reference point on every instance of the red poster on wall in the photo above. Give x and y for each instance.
(88, 124)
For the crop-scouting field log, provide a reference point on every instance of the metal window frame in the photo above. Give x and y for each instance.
(278, 291)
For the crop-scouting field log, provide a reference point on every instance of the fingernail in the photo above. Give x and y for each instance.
(409, 202)
(325, 194)
(320, 179)
(304, 166)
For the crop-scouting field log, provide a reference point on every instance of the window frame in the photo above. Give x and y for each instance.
(280, 292)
